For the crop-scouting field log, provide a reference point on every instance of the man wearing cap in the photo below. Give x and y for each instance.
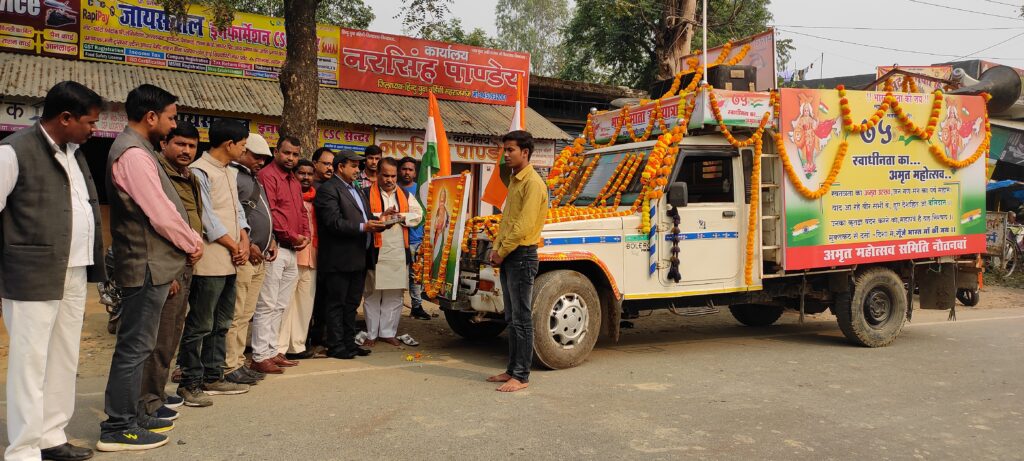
(262, 249)
(344, 253)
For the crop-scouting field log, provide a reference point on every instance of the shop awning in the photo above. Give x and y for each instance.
(31, 76)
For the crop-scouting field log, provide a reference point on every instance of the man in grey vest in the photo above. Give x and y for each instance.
(51, 245)
(262, 250)
(152, 242)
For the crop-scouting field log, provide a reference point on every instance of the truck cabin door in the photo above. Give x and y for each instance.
(710, 224)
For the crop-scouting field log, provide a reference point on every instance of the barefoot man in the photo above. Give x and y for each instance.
(515, 251)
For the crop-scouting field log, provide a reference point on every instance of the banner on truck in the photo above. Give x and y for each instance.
(139, 32)
(44, 27)
(923, 86)
(447, 211)
(761, 56)
(892, 198)
(385, 63)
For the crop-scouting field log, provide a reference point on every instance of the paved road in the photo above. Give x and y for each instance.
(673, 388)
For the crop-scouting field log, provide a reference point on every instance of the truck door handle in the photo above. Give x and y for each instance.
(728, 214)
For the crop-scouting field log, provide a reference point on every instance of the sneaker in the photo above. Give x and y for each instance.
(173, 401)
(131, 440)
(240, 377)
(166, 413)
(223, 387)
(195, 397)
(153, 424)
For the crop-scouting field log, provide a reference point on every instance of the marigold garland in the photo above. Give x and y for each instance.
(583, 179)
(755, 205)
(794, 178)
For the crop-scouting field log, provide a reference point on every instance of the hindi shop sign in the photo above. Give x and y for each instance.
(892, 199)
(139, 32)
(332, 137)
(384, 63)
(45, 27)
(464, 148)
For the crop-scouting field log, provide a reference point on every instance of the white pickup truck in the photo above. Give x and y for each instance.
(595, 271)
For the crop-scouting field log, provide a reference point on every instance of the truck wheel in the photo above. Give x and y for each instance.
(462, 324)
(566, 318)
(968, 298)
(874, 315)
(755, 315)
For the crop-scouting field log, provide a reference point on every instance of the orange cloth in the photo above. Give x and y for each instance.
(377, 208)
(307, 257)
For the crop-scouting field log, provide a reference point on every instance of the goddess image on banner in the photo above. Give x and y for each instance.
(890, 197)
(447, 202)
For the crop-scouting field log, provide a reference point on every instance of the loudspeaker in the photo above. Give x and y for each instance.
(735, 78)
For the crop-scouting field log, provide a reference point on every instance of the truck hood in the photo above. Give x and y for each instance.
(585, 224)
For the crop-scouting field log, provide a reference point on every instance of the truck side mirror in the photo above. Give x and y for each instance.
(677, 194)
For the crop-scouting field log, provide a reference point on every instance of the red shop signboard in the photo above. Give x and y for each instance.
(385, 63)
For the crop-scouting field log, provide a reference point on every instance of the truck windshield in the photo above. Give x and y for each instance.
(602, 172)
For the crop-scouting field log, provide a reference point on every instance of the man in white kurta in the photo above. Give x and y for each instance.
(387, 282)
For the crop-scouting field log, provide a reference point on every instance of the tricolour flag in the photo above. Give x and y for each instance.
(436, 158)
(497, 186)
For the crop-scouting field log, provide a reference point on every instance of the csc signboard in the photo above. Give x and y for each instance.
(385, 63)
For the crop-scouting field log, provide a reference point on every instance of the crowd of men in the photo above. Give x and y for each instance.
(210, 250)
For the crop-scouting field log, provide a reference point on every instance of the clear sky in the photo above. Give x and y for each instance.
(987, 16)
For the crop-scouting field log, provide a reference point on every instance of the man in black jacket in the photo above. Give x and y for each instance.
(51, 244)
(344, 253)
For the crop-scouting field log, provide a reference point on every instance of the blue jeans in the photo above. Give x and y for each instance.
(136, 338)
(415, 289)
(211, 309)
(518, 271)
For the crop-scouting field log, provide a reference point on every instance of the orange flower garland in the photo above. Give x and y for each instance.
(739, 56)
(583, 179)
(655, 116)
(794, 178)
(606, 189)
(637, 160)
(725, 130)
(755, 205)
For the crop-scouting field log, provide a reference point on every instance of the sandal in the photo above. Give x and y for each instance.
(408, 340)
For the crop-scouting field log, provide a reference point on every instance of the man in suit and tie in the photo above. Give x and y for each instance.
(344, 254)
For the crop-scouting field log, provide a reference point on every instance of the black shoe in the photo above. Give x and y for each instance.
(307, 354)
(362, 352)
(343, 355)
(255, 374)
(67, 452)
(419, 313)
(240, 377)
(156, 425)
(173, 402)
(131, 440)
(166, 413)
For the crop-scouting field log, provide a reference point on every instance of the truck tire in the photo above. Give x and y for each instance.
(756, 315)
(875, 313)
(566, 318)
(969, 298)
(461, 323)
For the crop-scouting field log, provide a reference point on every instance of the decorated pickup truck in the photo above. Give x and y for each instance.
(801, 199)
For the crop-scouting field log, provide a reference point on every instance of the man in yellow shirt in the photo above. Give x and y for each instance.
(515, 251)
